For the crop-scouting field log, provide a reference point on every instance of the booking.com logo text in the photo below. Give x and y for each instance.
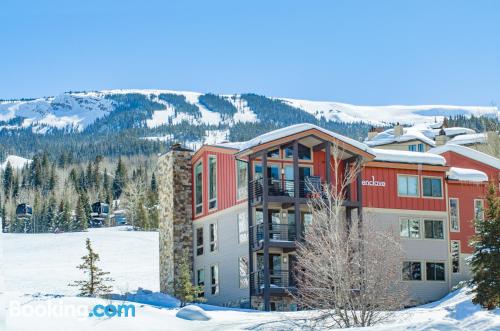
(112, 311)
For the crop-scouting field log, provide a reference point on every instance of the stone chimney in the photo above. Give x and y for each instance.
(441, 138)
(398, 130)
(175, 229)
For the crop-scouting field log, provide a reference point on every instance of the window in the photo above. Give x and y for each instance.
(433, 229)
(273, 171)
(408, 186)
(454, 215)
(304, 152)
(455, 256)
(412, 148)
(412, 271)
(214, 279)
(212, 182)
(275, 153)
(243, 267)
(198, 187)
(434, 271)
(432, 187)
(242, 180)
(200, 281)
(242, 227)
(420, 147)
(479, 209)
(213, 237)
(409, 228)
(199, 241)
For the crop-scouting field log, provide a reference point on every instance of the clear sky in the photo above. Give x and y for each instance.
(362, 52)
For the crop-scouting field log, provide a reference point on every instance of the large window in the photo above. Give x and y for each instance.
(479, 209)
(432, 187)
(434, 271)
(199, 241)
(304, 152)
(409, 227)
(213, 237)
(412, 271)
(243, 269)
(214, 279)
(212, 182)
(455, 256)
(242, 180)
(242, 227)
(408, 186)
(454, 215)
(198, 187)
(433, 229)
(200, 279)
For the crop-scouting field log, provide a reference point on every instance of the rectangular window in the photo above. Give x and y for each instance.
(412, 148)
(212, 182)
(432, 187)
(454, 215)
(243, 267)
(242, 227)
(420, 147)
(408, 186)
(434, 271)
(412, 271)
(409, 228)
(214, 279)
(275, 153)
(479, 209)
(242, 180)
(200, 281)
(433, 229)
(213, 237)
(199, 241)
(198, 187)
(455, 256)
(304, 152)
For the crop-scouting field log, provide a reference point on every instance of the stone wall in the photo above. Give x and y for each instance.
(175, 228)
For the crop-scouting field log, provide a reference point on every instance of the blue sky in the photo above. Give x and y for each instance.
(362, 52)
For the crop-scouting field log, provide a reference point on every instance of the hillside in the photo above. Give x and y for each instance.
(128, 122)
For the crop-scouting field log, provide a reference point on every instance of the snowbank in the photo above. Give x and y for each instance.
(388, 155)
(192, 313)
(469, 175)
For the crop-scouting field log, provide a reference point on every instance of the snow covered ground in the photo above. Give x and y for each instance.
(37, 269)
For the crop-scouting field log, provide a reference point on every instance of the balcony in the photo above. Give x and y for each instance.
(280, 282)
(280, 235)
(284, 189)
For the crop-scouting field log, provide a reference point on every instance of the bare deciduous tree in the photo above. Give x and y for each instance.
(349, 273)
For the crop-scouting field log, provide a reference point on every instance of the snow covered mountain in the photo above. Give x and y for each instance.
(78, 110)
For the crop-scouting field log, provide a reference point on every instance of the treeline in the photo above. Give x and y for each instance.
(60, 193)
(478, 123)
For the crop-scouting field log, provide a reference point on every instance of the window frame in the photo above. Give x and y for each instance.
(213, 244)
(433, 221)
(243, 278)
(202, 294)
(217, 282)
(213, 199)
(408, 196)
(412, 148)
(441, 185)
(458, 215)
(197, 245)
(421, 147)
(241, 192)
(408, 219)
(412, 280)
(458, 256)
(245, 231)
(482, 212)
(285, 157)
(444, 271)
(196, 204)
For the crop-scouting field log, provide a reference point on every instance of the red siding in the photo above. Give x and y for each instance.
(387, 196)
(466, 193)
(456, 160)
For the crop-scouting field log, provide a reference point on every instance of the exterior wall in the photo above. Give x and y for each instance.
(403, 146)
(175, 235)
(456, 160)
(419, 250)
(226, 256)
(387, 196)
(464, 271)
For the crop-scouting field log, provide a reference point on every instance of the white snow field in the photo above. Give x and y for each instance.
(37, 269)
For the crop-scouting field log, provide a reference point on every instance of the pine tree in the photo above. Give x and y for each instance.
(80, 221)
(485, 261)
(120, 179)
(184, 289)
(8, 179)
(95, 284)
(52, 214)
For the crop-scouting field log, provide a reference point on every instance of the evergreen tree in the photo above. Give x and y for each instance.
(184, 289)
(52, 214)
(485, 261)
(8, 179)
(82, 218)
(95, 284)
(120, 179)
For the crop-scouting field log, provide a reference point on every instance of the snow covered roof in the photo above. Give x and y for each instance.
(467, 152)
(468, 175)
(389, 155)
(17, 162)
(455, 131)
(467, 139)
(297, 128)
(420, 133)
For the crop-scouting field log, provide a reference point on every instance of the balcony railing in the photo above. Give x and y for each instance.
(309, 187)
(278, 279)
(281, 232)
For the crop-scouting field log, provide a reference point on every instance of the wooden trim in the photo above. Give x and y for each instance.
(213, 149)
(394, 165)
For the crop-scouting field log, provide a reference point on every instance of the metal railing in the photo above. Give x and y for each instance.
(281, 278)
(309, 187)
(282, 232)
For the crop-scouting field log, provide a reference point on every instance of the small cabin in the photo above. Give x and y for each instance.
(101, 209)
(24, 210)
(119, 217)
